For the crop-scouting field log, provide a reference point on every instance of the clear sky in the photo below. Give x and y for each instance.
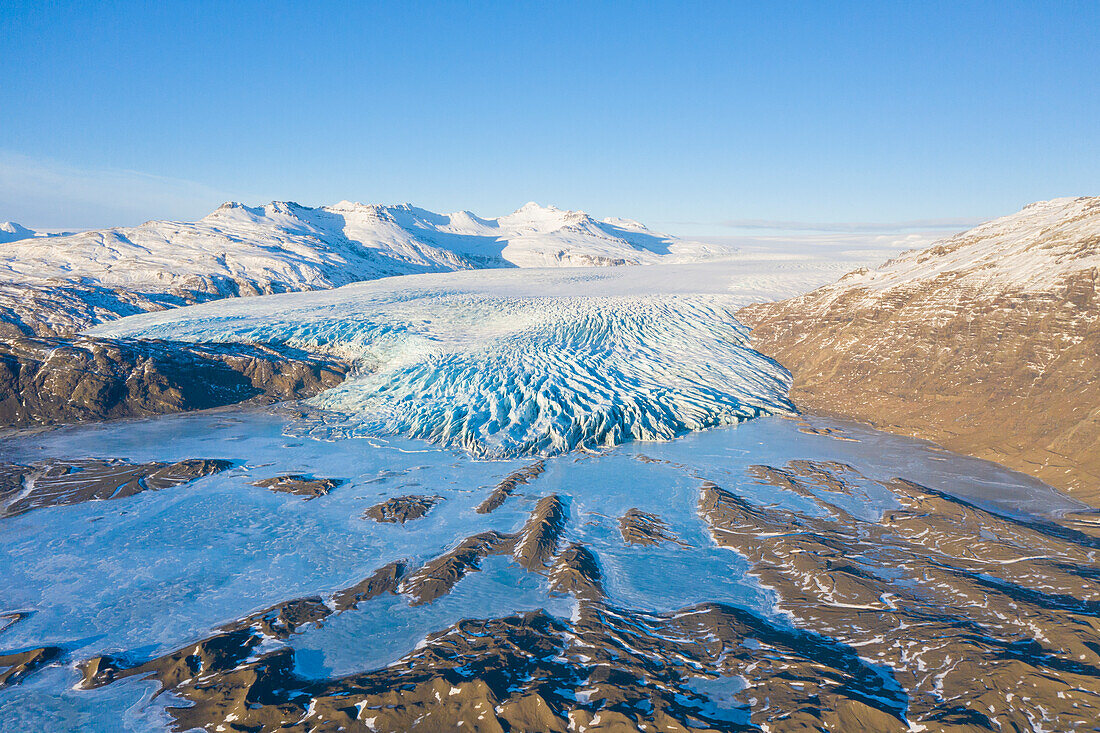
(688, 116)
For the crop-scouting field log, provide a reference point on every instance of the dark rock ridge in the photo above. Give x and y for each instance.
(61, 309)
(995, 625)
(642, 528)
(576, 572)
(401, 509)
(522, 673)
(439, 575)
(47, 381)
(532, 547)
(56, 482)
(994, 628)
(508, 484)
(17, 665)
(14, 666)
(299, 484)
(382, 581)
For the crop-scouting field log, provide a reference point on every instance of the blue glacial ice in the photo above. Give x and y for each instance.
(506, 363)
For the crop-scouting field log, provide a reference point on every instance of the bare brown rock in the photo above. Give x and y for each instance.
(57, 482)
(577, 573)
(382, 581)
(308, 487)
(537, 541)
(504, 489)
(524, 672)
(532, 547)
(438, 576)
(17, 665)
(401, 509)
(37, 307)
(937, 616)
(642, 528)
(65, 308)
(14, 666)
(987, 622)
(987, 343)
(46, 381)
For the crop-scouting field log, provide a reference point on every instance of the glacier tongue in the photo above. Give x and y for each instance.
(504, 363)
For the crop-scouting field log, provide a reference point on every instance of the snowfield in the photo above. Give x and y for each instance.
(285, 246)
(505, 363)
(1031, 251)
(59, 285)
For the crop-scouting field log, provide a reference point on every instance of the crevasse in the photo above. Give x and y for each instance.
(504, 364)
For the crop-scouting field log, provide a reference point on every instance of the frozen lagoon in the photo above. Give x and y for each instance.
(687, 547)
(147, 574)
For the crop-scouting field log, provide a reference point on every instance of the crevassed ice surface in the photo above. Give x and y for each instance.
(504, 363)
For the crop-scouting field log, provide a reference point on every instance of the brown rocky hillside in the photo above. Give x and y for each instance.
(987, 343)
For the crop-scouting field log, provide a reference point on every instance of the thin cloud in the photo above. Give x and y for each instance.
(48, 194)
(853, 227)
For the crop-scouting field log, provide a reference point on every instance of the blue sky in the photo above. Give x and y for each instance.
(701, 119)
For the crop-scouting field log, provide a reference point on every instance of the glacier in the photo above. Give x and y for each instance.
(505, 362)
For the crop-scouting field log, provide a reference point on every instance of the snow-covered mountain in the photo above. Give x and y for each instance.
(13, 232)
(988, 342)
(283, 246)
(1031, 250)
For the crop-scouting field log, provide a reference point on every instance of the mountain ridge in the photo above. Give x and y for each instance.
(284, 246)
(986, 342)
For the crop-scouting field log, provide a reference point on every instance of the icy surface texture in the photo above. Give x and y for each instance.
(152, 572)
(502, 364)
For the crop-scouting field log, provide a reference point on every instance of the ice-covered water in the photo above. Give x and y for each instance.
(597, 369)
(506, 363)
(150, 573)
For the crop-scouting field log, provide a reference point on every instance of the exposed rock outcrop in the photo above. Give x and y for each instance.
(937, 615)
(439, 575)
(56, 482)
(382, 581)
(576, 572)
(308, 487)
(508, 484)
(14, 666)
(642, 528)
(987, 343)
(993, 626)
(401, 509)
(45, 381)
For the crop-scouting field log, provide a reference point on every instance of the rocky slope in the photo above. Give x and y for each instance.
(59, 286)
(47, 381)
(987, 342)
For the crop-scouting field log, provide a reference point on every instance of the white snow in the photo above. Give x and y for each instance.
(1031, 250)
(508, 362)
(284, 246)
(13, 232)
